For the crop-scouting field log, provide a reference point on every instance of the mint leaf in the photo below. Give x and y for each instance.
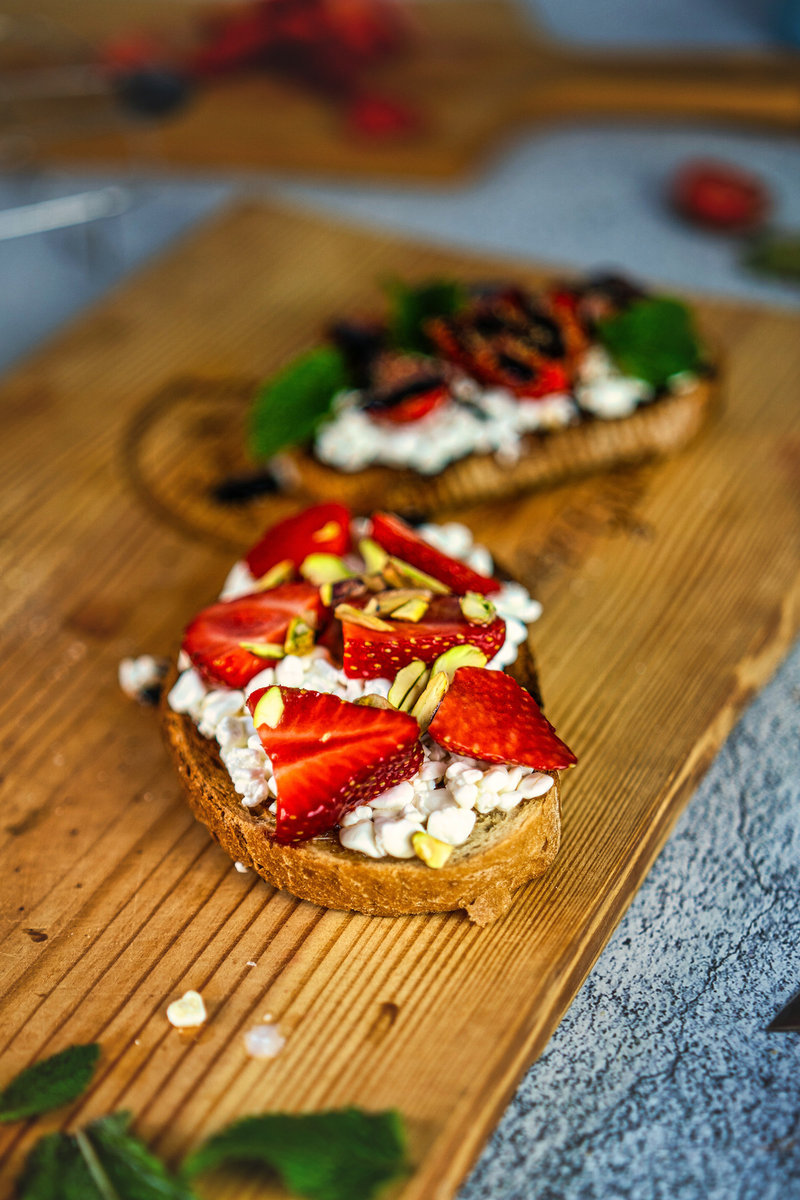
(290, 406)
(342, 1155)
(101, 1162)
(652, 339)
(56, 1170)
(410, 307)
(775, 254)
(50, 1083)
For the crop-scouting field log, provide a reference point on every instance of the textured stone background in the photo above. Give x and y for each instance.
(662, 1081)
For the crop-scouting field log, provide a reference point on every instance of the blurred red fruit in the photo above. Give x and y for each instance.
(719, 196)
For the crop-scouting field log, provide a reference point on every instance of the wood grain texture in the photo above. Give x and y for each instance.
(670, 593)
(479, 72)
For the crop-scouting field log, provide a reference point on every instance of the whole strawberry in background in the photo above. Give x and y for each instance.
(720, 196)
(726, 199)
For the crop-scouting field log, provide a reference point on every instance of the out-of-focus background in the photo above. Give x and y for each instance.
(520, 128)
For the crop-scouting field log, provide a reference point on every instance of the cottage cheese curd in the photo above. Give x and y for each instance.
(449, 791)
(475, 421)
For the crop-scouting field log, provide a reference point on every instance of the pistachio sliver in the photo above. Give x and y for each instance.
(374, 556)
(406, 680)
(299, 637)
(374, 701)
(396, 568)
(357, 616)
(263, 649)
(412, 610)
(385, 603)
(477, 609)
(425, 708)
(324, 568)
(269, 709)
(458, 656)
(432, 852)
(282, 572)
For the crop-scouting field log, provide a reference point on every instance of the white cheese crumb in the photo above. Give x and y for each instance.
(187, 1013)
(264, 1041)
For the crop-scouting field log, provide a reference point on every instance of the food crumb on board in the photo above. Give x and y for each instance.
(187, 1013)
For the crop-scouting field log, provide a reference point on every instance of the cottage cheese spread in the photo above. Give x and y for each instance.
(475, 421)
(447, 793)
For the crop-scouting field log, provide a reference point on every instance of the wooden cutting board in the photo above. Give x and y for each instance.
(670, 593)
(480, 70)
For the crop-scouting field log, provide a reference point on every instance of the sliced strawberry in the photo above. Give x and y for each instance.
(321, 529)
(401, 541)
(487, 715)
(214, 638)
(413, 405)
(379, 654)
(328, 756)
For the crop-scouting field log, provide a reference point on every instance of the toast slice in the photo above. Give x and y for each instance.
(656, 430)
(504, 851)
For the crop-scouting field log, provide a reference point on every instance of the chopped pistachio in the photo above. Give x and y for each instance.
(269, 709)
(374, 556)
(458, 656)
(373, 701)
(477, 609)
(406, 680)
(374, 583)
(405, 574)
(324, 568)
(357, 616)
(282, 572)
(412, 610)
(432, 852)
(263, 649)
(299, 637)
(425, 708)
(385, 603)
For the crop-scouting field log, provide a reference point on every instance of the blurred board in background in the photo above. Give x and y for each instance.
(478, 71)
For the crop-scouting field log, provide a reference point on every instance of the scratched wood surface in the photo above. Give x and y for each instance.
(479, 70)
(670, 596)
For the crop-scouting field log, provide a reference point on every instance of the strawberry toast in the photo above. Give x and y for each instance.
(465, 392)
(358, 719)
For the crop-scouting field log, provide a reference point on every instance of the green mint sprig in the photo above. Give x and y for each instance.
(652, 340)
(289, 407)
(103, 1161)
(50, 1083)
(346, 1154)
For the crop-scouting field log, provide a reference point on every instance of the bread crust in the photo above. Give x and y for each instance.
(655, 430)
(505, 851)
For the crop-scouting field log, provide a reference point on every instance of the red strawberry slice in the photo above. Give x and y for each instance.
(328, 756)
(378, 654)
(487, 715)
(214, 638)
(414, 406)
(400, 540)
(321, 529)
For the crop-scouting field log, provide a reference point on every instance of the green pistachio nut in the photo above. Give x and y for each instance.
(269, 710)
(458, 656)
(432, 852)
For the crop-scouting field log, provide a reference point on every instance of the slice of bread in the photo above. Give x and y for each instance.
(655, 430)
(504, 851)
